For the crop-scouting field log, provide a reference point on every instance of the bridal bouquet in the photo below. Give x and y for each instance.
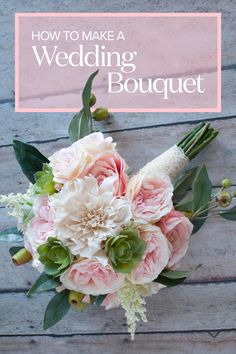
(100, 236)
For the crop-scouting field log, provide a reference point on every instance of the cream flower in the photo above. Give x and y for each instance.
(72, 162)
(86, 214)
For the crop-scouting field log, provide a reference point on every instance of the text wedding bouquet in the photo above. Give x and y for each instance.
(100, 237)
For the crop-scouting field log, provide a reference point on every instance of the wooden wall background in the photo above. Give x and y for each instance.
(196, 317)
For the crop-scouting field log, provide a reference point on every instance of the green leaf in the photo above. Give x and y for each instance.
(87, 93)
(99, 299)
(29, 158)
(43, 283)
(185, 204)
(229, 214)
(198, 223)
(201, 189)
(14, 250)
(79, 126)
(172, 277)
(183, 183)
(56, 309)
(11, 235)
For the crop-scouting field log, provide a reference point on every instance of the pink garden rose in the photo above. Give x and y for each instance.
(156, 256)
(67, 164)
(178, 230)
(41, 226)
(90, 277)
(111, 164)
(71, 162)
(151, 197)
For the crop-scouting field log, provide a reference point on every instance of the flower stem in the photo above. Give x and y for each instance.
(197, 139)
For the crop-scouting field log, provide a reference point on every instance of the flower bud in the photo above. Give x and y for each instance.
(21, 257)
(224, 199)
(100, 114)
(226, 183)
(75, 299)
(92, 100)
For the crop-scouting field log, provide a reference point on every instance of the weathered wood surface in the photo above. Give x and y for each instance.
(178, 343)
(197, 317)
(188, 307)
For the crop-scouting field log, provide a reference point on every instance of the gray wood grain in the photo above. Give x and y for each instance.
(171, 343)
(186, 307)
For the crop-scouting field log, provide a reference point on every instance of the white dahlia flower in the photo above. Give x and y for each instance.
(86, 214)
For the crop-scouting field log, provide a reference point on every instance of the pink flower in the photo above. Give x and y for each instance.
(111, 301)
(156, 256)
(71, 162)
(151, 197)
(90, 277)
(178, 230)
(111, 164)
(41, 225)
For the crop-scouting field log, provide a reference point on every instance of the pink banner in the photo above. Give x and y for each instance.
(159, 62)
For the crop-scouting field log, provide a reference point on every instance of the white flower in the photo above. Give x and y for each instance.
(21, 205)
(71, 162)
(86, 214)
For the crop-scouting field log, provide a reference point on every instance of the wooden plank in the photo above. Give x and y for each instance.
(7, 24)
(139, 147)
(214, 247)
(198, 343)
(186, 308)
(47, 126)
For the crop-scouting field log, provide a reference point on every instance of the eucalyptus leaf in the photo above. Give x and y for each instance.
(43, 283)
(99, 300)
(201, 189)
(172, 277)
(29, 158)
(80, 125)
(186, 204)
(56, 309)
(198, 223)
(183, 183)
(229, 214)
(11, 235)
(87, 92)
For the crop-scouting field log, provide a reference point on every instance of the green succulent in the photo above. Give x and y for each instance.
(54, 256)
(126, 250)
(44, 181)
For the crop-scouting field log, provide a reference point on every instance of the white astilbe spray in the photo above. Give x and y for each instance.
(20, 204)
(133, 304)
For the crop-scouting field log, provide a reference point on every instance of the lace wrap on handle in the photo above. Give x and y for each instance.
(170, 163)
